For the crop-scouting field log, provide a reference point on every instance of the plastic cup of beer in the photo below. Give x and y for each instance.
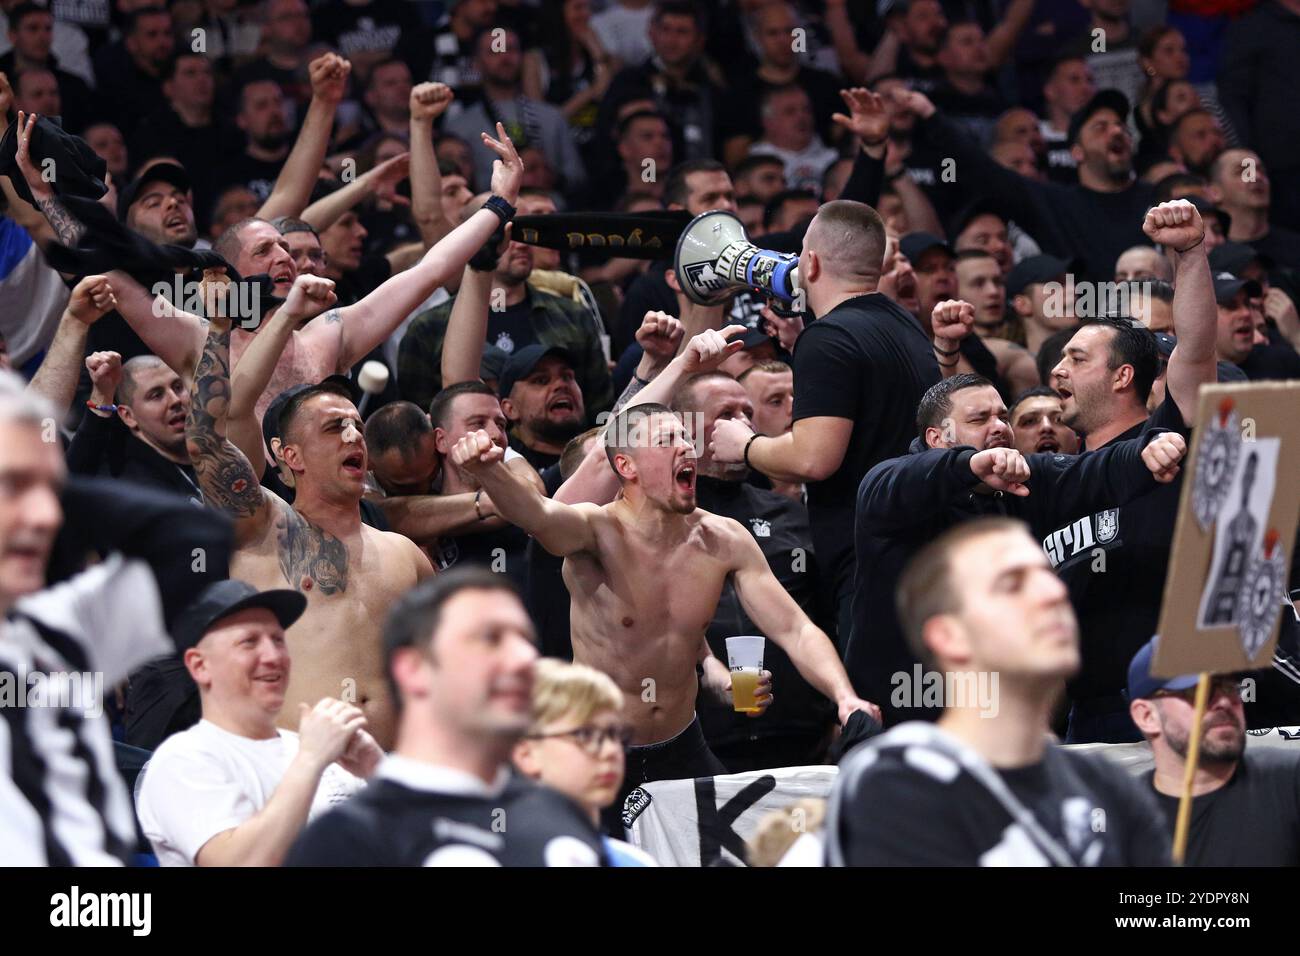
(745, 659)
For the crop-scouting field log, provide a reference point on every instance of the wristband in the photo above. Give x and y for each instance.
(952, 364)
(1192, 246)
(944, 352)
(478, 495)
(504, 211)
(90, 403)
(639, 380)
(747, 444)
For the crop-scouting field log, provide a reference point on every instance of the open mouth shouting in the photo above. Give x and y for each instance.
(1047, 443)
(684, 476)
(176, 420)
(354, 465)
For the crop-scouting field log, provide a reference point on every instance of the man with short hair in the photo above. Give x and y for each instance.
(963, 464)
(185, 126)
(1104, 379)
(920, 26)
(759, 176)
(860, 369)
(986, 787)
(1068, 87)
(459, 655)
(530, 123)
(1245, 801)
(791, 732)
(1142, 264)
(31, 31)
(62, 801)
(129, 73)
(234, 789)
(319, 545)
(790, 134)
(387, 97)
(637, 627)
(1196, 140)
(1036, 423)
(1240, 184)
(980, 282)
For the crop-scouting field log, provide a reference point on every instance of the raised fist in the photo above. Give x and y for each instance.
(1175, 225)
(1002, 469)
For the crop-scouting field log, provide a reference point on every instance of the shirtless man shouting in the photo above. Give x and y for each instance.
(350, 573)
(645, 573)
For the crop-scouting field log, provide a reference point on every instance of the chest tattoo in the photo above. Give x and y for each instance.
(311, 559)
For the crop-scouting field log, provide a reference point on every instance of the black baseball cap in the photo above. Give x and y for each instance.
(916, 244)
(1227, 285)
(1234, 257)
(1142, 683)
(339, 385)
(521, 364)
(493, 362)
(225, 598)
(1104, 100)
(1165, 344)
(976, 207)
(1034, 269)
(158, 172)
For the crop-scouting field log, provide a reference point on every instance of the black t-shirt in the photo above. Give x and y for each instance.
(512, 328)
(370, 274)
(407, 823)
(1252, 820)
(504, 549)
(746, 96)
(866, 360)
(1271, 362)
(915, 805)
(258, 175)
(1118, 607)
(375, 27)
(780, 529)
(538, 459)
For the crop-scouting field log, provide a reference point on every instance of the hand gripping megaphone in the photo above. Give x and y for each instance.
(715, 258)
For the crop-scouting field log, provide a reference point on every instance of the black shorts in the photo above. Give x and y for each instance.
(685, 756)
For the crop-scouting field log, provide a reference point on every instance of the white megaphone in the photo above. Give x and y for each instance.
(715, 258)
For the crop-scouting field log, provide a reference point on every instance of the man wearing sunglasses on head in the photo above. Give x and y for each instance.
(1246, 805)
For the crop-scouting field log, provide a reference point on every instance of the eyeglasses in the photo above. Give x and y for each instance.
(591, 739)
(1220, 686)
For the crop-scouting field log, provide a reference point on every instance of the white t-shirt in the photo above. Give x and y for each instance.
(205, 780)
(803, 169)
(625, 33)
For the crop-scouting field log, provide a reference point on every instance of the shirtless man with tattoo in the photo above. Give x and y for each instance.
(329, 343)
(645, 573)
(350, 573)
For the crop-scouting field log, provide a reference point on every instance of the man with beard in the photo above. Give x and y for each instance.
(263, 117)
(542, 401)
(645, 573)
(1245, 804)
(1115, 559)
(1094, 220)
(963, 465)
(517, 315)
(1036, 423)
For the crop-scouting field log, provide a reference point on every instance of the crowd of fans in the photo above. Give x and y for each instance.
(361, 454)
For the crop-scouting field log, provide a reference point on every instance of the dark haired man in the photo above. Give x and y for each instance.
(319, 545)
(643, 627)
(963, 464)
(859, 371)
(1114, 559)
(459, 655)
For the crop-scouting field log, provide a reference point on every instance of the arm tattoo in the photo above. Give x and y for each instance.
(226, 477)
(334, 315)
(66, 226)
(310, 557)
(634, 385)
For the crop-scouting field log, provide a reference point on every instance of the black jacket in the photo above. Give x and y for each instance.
(905, 503)
(104, 447)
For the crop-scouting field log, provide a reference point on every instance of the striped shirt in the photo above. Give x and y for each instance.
(62, 801)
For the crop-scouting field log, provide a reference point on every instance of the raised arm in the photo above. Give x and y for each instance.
(1002, 38)
(310, 295)
(228, 481)
(370, 321)
(292, 190)
(63, 226)
(462, 346)
(172, 334)
(1177, 226)
(559, 528)
(777, 615)
(56, 379)
(380, 181)
(428, 101)
(853, 62)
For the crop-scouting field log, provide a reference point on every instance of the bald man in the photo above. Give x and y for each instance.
(859, 372)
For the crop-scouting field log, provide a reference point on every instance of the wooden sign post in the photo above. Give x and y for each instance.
(1231, 553)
